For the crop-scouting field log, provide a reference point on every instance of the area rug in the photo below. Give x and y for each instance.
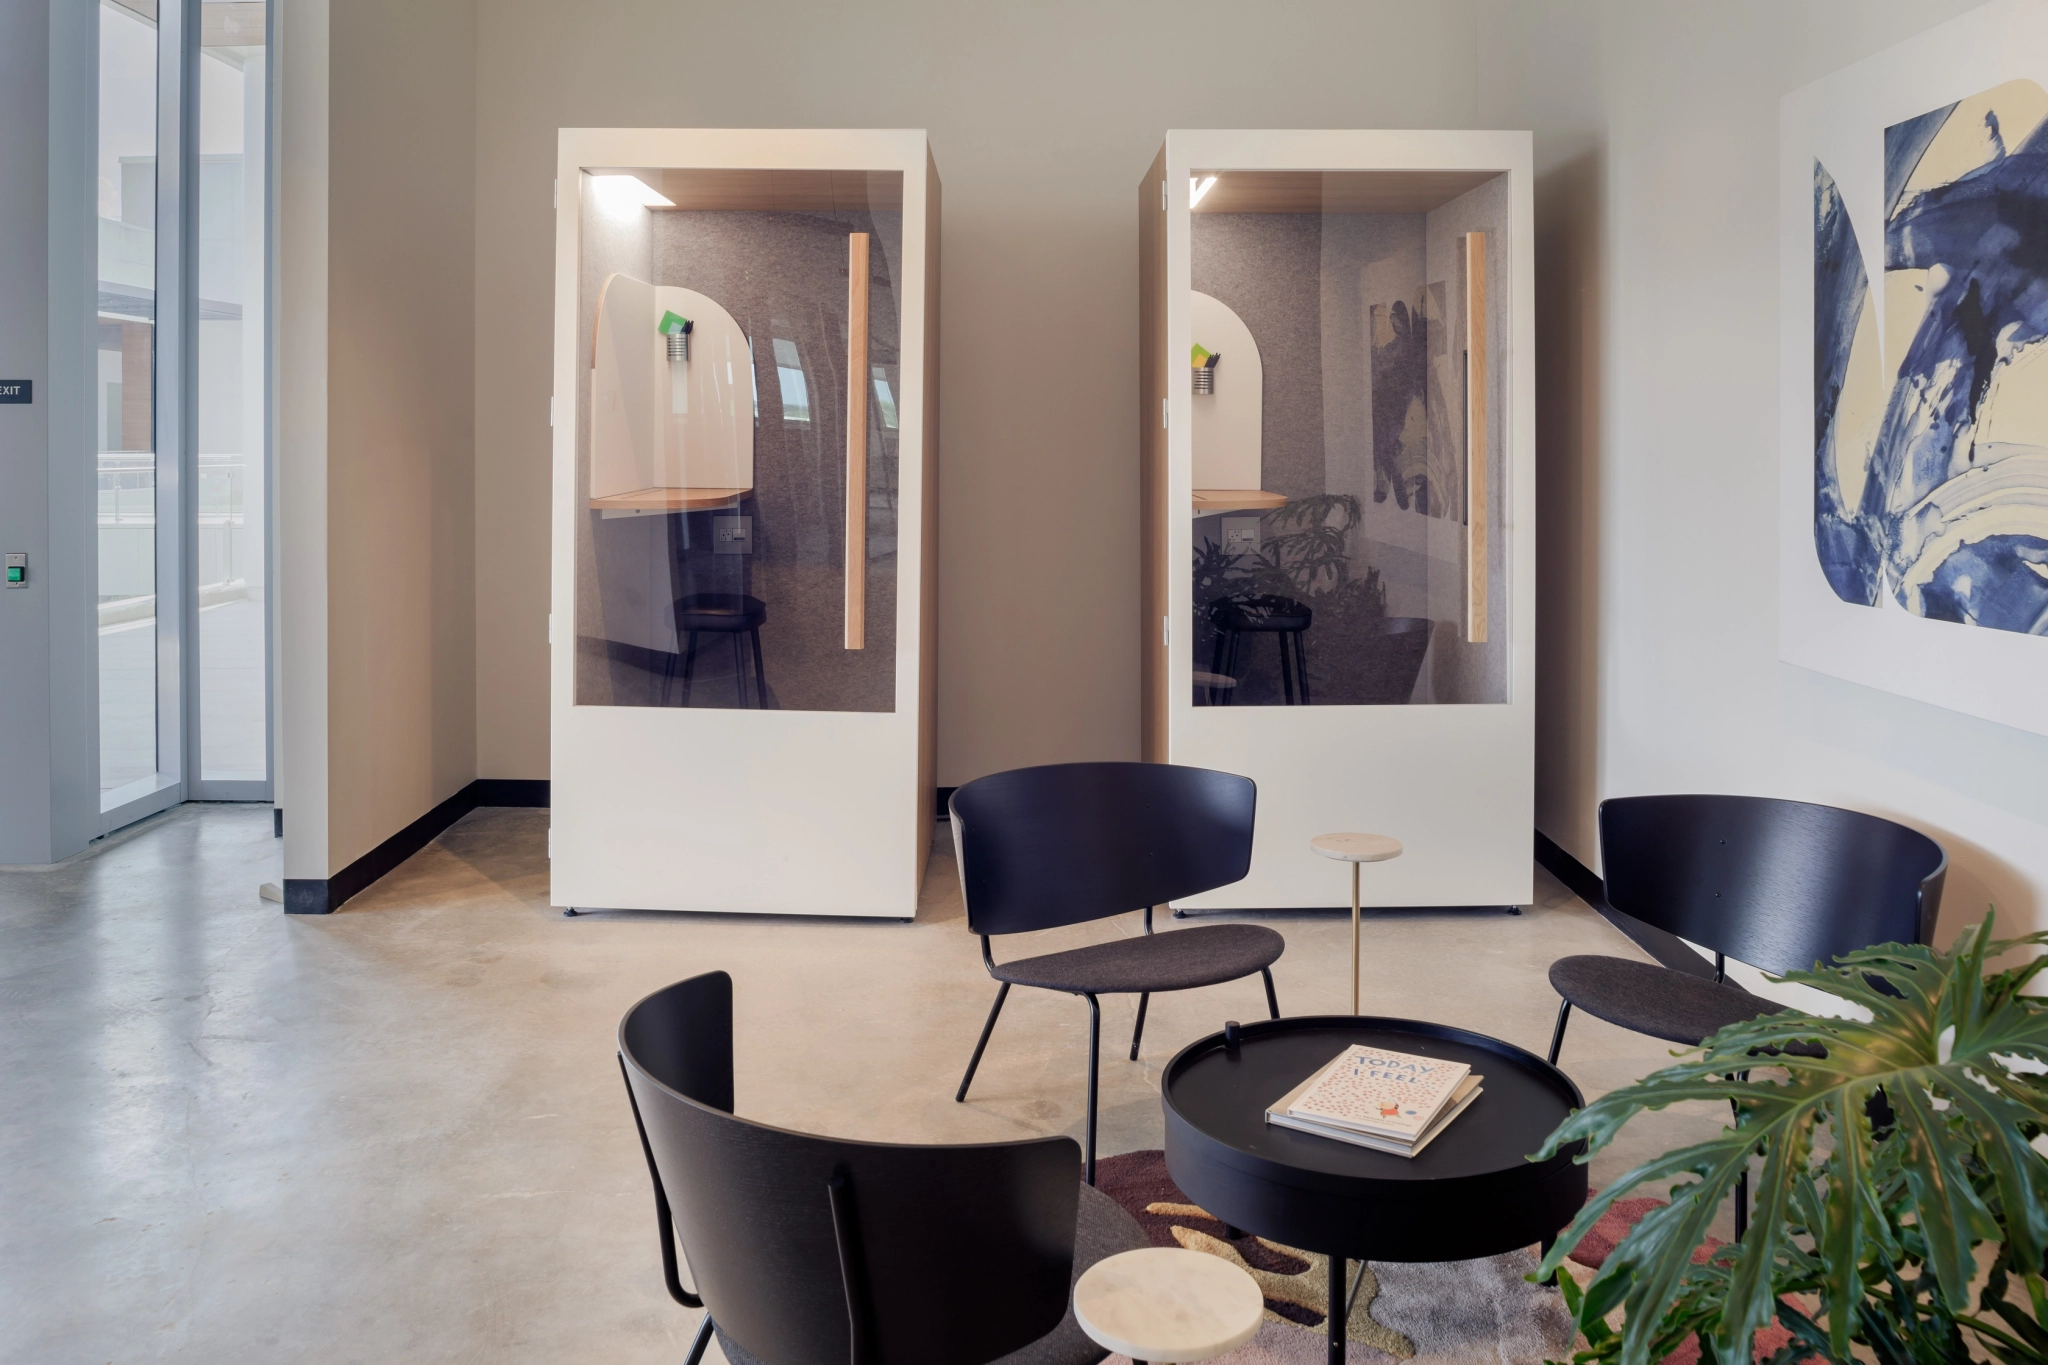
(1448, 1313)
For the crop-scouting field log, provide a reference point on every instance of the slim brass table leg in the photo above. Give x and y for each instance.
(1354, 938)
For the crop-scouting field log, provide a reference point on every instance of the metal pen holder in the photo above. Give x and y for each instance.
(678, 345)
(1205, 379)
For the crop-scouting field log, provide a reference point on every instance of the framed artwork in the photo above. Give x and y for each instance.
(1914, 380)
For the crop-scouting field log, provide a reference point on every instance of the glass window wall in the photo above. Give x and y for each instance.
(233, 710)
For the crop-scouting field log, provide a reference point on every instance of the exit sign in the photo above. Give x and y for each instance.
(17, 391)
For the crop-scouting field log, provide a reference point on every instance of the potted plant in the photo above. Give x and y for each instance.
(1887, 1151)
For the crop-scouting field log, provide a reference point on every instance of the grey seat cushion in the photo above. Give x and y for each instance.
(1675, 1006)
(1173, 961)
(1101, 1229)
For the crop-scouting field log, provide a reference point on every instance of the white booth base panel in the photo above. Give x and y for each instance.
(1427, 776)
(630, 834)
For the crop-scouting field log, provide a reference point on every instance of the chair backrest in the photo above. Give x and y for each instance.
(1780, 885)
(1042, 847)
(820, 1251)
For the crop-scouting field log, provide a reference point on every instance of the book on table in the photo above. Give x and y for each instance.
(1377, 1098)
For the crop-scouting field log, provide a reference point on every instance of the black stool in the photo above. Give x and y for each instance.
(1282, 617)
(720, 613)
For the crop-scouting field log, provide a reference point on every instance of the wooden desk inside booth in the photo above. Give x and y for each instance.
(1208, 500)
(670, 500)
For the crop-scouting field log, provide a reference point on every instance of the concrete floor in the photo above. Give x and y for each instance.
(398, 1132)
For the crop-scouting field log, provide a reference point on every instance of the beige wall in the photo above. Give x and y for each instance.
(376, 447)
(1043, 117)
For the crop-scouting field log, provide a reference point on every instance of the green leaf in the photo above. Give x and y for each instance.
(1842, 1218)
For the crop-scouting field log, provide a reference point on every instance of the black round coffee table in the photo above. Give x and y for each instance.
(1471, 1192)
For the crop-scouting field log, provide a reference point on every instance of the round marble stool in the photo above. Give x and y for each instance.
(1163, 1304)
(1356, 849)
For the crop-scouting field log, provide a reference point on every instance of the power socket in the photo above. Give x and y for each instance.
(732, 535)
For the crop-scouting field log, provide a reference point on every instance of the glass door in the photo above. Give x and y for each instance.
(737, 426)
(180, 400)
(230, 492)
(132, 776)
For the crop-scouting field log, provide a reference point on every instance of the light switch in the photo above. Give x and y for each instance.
(1240, 535)
(17, 570)
(732, 535)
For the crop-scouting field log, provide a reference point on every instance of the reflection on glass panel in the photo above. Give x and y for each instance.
(1349, 544)
(713, 552)
(124, 402)
(230, 493)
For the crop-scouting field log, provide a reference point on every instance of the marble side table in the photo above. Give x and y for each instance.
(1165, 1304)
(1356, 849)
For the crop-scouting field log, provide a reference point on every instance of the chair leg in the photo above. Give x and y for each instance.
(689, 665)
(1564, 1012)
(703, 1340)
(1094, 1057)
(1215, 696)
(1230, 670)
(760, 675)
(1301, 664)
(1144, 999)
(1286, 668)
(1272, 1000)
(739, 672)
(1002, 994)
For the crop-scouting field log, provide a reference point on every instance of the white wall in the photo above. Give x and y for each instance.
(1660, 460)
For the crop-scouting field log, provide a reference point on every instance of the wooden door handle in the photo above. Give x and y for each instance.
(856, 439)
(1475, 438)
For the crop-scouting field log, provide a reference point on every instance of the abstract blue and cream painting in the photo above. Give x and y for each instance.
(1930, 412)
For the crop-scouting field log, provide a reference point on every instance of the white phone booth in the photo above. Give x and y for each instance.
(1339, 499)
(745, 417)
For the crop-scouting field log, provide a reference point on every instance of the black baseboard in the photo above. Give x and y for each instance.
(945, 796)
(1581, 881)
(317, 896)
(511, 791)
(1576, 876)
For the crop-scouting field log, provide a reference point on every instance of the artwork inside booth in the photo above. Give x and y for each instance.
(1347, 328)
(713, 458)
(1931, 419)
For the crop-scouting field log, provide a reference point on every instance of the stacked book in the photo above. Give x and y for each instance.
(1389, 1101)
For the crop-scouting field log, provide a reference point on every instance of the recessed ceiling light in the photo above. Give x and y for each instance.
(632, 189)
(1199, 186)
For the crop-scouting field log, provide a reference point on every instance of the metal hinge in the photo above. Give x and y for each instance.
(1162, 412)
(1162, 196)
(1166, 631)
(551, 411)
(551, 627)
(558, 194)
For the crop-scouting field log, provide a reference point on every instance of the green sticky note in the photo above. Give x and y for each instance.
(1200, 354)
(672, 321)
